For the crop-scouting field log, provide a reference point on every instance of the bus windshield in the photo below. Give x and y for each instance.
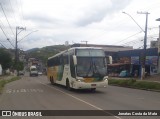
(33, 69)
(90, 52)
(91, 67)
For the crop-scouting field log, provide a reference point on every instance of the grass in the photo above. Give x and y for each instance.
(3, 82)
(132, 83)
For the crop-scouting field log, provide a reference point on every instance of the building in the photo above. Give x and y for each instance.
(131, 60)
(33, 61)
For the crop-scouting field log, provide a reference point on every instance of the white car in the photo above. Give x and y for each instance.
(33, 71)
(40, 73)
(21, 72)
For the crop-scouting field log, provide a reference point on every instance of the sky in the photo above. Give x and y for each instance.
(53, 22)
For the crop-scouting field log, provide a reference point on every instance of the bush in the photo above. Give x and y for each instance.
(147, 85)
(135, 84)
(2, 83)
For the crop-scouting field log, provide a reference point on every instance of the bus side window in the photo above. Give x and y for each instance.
(65, 59)
(50, 62)
(61, 60)
(72, 67)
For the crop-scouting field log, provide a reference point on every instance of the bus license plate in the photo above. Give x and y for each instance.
(93, 84)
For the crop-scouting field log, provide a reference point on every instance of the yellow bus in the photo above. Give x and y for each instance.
(79, 68)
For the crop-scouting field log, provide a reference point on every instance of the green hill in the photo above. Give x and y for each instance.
(45, 52)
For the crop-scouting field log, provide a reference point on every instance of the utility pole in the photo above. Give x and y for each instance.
(158, 48)
(16, 44)
(16, 49)
(159, 51)
(145, 46)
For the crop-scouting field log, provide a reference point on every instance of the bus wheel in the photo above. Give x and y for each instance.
(68, 85)
(52, 81)
(93, 89)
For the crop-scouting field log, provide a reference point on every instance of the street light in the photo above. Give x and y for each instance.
(145, 40)
(134, 20)
(16, 55)
(27, 35)
(16, 46)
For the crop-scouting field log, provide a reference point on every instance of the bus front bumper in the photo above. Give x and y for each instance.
(84, 85)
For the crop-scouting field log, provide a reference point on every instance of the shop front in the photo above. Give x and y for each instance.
(151, 65)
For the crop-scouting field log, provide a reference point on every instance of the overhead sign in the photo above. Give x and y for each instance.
(150, 60)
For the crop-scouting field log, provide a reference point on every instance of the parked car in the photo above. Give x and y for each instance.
(124, 73)
(40, 73)
(21, 72)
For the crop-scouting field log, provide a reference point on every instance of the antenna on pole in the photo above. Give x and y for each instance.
(85, 42)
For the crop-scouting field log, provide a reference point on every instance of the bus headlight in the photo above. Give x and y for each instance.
(105, 78)
(79, 79)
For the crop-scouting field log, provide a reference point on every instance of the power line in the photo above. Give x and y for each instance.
(128, 37)
(10, 42)
(19, 11)
(2, 41)
(3, 45)
(13, 11)
(6, 36)
(7, 19)
(134, 20)
(133, 35)
(2, 25)
(22, 13)
(3, 31)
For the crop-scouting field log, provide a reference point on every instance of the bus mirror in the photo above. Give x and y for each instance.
(110, 59)
(74, 60)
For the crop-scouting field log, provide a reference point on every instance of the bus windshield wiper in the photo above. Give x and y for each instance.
(90, 69)
(97, 70)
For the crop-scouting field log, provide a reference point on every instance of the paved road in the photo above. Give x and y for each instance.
(32, 93)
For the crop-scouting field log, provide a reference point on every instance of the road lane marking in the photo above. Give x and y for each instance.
(9, 91)
(82, 101)
(23, 90)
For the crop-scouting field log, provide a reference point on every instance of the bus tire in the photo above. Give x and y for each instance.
(93, 89)
(52, 81)
(68, 85)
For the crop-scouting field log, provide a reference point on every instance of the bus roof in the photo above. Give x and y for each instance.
(86, 48)
(74, 48)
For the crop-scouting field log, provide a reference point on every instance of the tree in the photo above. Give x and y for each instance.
(19, 66)
(5, 59)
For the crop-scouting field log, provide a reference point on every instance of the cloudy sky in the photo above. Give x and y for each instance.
(53, 22)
